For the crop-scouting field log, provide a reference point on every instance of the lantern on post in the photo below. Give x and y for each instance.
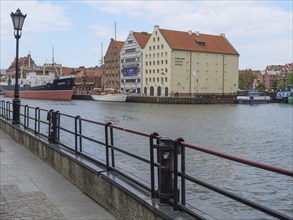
(17, 20)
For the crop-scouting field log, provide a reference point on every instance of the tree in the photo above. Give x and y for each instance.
(289, 81)
(261, 86)
(246, 79)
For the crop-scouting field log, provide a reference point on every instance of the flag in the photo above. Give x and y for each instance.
(193, 72)
(163, 73)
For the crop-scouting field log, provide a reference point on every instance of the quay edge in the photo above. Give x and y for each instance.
(121, 198)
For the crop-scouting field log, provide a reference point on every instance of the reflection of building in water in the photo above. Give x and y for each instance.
(131, 61)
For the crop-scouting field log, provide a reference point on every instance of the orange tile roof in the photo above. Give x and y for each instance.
(119, 45)
(142, 38)
(179, 40)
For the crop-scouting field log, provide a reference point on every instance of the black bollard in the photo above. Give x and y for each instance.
(53, 125)
(166, 157)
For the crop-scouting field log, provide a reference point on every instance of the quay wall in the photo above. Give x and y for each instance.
(204, 99)
(121, 198)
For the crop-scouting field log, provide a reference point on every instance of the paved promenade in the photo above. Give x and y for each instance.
(31, 190)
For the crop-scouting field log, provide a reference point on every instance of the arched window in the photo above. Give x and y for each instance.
(166, 91)
(159, 91)
(152, 91)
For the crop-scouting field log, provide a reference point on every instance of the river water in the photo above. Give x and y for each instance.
(261, 133)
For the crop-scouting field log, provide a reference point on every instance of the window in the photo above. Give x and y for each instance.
(150, 63)
(166, 54)
(158, 79)
(146, 56)
(158, 38)
(130, 41)
(158, 47)
(154, 47)
(154, 62)
(146, 63)
(130, 60)
(150, 48)
(154, 39)
(162, 46)
(158, 62)
(166, 61)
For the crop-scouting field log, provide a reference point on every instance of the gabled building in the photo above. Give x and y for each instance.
(86, 79)
(186, 63)
(131, 61)
(111, 67)
(26, 64)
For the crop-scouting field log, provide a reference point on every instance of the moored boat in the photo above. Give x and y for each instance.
(254, 96)
(36, 86)
(109, 95)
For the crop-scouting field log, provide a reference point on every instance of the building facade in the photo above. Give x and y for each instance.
(111, 67)
(188, 64)
(131, 61)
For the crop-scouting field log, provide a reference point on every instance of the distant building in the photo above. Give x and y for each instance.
(85, 79)
(186, 63)
(111, 67)
(131, 61)
(26, 64)
(271, 76)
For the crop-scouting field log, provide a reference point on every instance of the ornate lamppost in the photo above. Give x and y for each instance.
(17, 20)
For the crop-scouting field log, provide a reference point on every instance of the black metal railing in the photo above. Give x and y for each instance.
(165, 163)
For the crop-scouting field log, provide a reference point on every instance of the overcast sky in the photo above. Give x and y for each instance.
(261, 31)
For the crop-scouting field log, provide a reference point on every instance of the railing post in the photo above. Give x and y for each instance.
(152, 163)
(107, 144)
(37, 120)
(166, 160)
(76, 133)
(177, 151)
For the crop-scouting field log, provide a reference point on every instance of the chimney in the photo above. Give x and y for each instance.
(222, 34)
(197, 33)
(190, 32)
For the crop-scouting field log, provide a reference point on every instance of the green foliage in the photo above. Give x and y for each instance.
(246, 80)
(261, 86)
(289, 81)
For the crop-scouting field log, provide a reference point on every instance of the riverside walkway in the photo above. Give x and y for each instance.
(30, 189)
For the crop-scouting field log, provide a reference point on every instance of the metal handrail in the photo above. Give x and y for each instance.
(29, 118)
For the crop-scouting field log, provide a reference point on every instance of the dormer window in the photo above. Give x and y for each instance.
(200, 43)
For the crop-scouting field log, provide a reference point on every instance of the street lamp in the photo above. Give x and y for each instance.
(17, 20)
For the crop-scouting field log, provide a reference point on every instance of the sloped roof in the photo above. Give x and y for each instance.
(119, 45)
(142, 38)
(179, 40)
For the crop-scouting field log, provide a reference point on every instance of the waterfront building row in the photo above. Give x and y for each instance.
(169, 62)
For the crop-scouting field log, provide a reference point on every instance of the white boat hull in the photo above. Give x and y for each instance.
(253, 99)
(110, 97)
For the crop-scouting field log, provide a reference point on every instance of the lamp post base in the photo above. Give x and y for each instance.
(16, 111)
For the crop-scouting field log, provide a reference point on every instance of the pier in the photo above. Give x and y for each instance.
(160, 195)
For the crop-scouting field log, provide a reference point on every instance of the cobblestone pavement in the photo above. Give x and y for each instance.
(31, 190)
(30, 205)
